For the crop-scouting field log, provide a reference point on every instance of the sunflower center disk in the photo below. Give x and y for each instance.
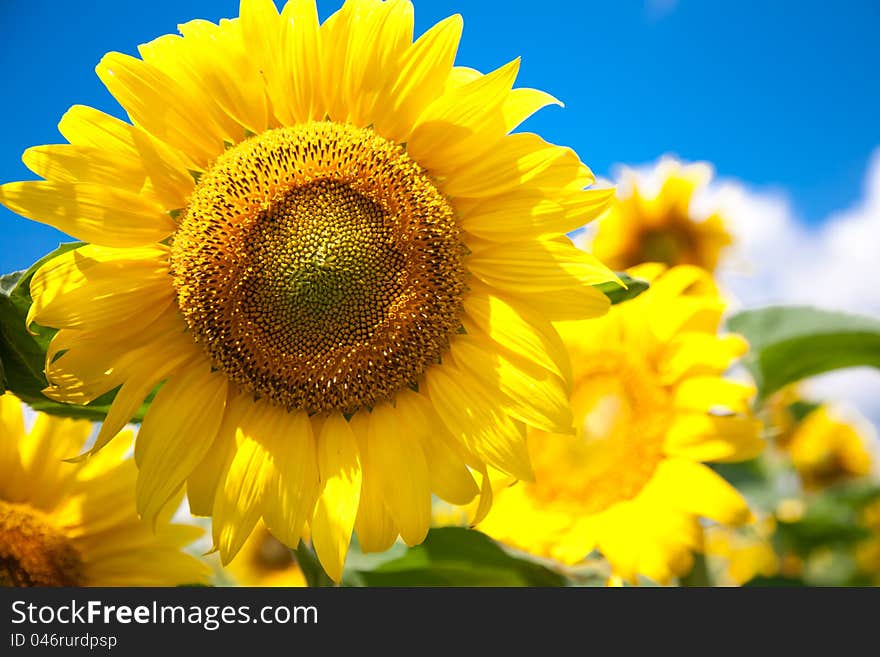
(319, 267)
(33, 552)
(273, 555)
(622, 416)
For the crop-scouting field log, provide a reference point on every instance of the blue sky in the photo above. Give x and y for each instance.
(781, 95)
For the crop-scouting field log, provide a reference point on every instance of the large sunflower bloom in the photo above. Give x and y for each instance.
(75, 524)
(299, 224)
(660, 224)
(650, 406)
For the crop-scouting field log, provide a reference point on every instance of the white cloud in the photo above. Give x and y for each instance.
(778, 259)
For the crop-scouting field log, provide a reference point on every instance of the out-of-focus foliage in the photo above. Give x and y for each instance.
(790, 343)
(818, 518)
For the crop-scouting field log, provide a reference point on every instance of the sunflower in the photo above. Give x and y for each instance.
(739, 554)
(825, 445)
(659, 225)
(265, 561)
(825, 449)
(324, 244)
(650, 405)
(75, 524)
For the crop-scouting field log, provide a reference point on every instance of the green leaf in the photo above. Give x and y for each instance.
(617, 294)
(790, 343)
(455, 556)
(23, 352)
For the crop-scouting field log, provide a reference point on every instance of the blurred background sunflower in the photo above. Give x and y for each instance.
(75, 524)
(650, 405)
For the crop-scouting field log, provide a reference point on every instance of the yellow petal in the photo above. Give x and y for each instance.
(704, 437)
(374, 525)
(261, 33)
(239, 500)
(82, 365)
(151, 366)
(86, 127)
(460, 76)
(50, 441)
(579, 539)
(669, 317)
(474, 419)
(221, 65)
(528, 392)
(11, 427)
(107, 460)
(485, 503)
(85, 373)
(396, 448)
(617, 543)
(533, 214)
(518, 329)
(705, 393)
(538, 266)
(694, 488)
(340, 468)
(565, 305)
(11, 420)
(682, 280)
(176, 434)
(168, 109)
(208, 476)
(291, 503)
(462, 124)
(447, 470)
(520, 104)
(654, 541)
(72, 163)
(90, 212)
(335, 36)
(520, 161)
(297, 94)
(272, 472)
(92, 285)
(423, 69)
(111, 505)
(695, 354)
(366, 40)
(181, 61)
